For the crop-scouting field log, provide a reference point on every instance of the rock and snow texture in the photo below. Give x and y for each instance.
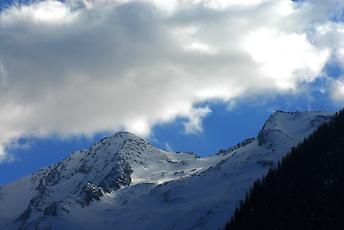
(123, 182)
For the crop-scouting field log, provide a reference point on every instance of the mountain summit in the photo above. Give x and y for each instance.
(124, 182)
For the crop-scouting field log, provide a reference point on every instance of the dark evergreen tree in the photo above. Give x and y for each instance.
(304, 191)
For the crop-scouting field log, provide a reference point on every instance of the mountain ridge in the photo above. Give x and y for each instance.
(125, 174)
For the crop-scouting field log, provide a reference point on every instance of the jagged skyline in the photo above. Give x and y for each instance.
(195, 75)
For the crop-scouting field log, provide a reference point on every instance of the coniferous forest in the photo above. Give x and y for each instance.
(304, 191)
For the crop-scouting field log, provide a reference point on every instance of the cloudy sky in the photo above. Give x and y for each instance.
(193, 75)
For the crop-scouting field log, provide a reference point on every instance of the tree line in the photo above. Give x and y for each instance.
(303, 191)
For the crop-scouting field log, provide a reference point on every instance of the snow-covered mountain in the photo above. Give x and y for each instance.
(123, 182)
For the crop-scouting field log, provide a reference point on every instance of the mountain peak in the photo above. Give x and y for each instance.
(114, 143)
(292, 125)
(120, 137)
(124, 135)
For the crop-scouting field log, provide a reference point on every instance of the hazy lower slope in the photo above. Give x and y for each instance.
(123, 182)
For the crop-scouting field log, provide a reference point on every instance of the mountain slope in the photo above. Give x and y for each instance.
(124, 182)
(305, 191)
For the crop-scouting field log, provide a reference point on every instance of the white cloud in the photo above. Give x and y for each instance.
(83, 67)
(168, 147)
(337, 91)
(331, 34)
(194, 124)
(286, 59)
(49, 12)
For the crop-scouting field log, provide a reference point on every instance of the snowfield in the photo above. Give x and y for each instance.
(123, 182)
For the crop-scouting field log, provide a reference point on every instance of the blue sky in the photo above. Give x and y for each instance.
(222, 129)
(73, 72)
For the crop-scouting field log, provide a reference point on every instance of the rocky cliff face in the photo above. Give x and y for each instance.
(124, 182)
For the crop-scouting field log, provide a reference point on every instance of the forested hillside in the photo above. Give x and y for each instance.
(304, 191)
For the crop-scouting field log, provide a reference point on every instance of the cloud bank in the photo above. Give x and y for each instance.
(82, 67)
